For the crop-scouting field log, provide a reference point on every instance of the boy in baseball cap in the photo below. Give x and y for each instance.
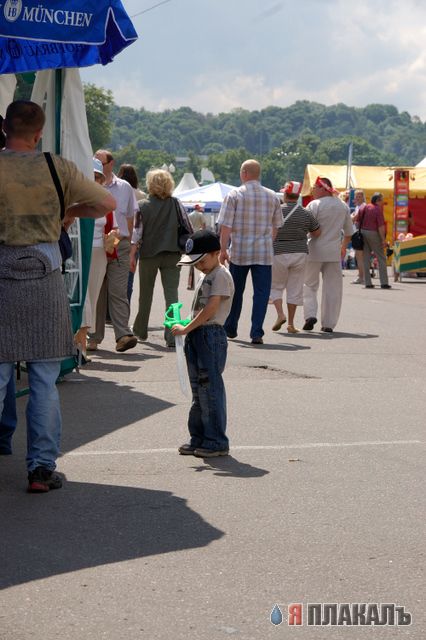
(206, 347)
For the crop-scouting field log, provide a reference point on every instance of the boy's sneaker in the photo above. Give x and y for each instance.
(186, 450)
(210, 453)
(41, 480)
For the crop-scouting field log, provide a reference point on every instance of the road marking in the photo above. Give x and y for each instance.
(278, 447)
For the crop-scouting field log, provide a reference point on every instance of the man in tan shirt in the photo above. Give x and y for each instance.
(35, 322)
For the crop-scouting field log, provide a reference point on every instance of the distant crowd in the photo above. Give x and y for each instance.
(284, 245)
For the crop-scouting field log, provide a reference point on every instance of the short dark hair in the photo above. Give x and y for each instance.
(23, 118)
(376, 196)
(294, 197)
(128, 173)
(327, 182)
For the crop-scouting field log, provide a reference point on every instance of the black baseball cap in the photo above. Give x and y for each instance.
(197, 245)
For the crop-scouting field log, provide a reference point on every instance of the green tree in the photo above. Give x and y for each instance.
(226, 166)
(99, 102)
(193, 165)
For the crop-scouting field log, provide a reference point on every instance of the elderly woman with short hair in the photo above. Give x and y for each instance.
(155, 239)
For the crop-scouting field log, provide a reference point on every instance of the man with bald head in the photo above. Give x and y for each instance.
(249, 217)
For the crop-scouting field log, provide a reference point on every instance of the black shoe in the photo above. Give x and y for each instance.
(309, 324)
(385, 286)
(42, 480)
(210, 453)
(369, 286)
(231, 335)
(257, 340)
(327, 329)
(186, 450)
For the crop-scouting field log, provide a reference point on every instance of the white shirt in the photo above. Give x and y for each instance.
(334, 217)
(126, 203)
(98, 232)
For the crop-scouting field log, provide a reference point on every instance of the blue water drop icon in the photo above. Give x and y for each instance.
(276, 615)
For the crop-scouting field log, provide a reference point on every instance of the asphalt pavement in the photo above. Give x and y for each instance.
(322, 499)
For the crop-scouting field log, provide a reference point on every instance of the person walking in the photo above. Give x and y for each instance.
(290, 255)
(249, 217)
(35, 322)
(325, 254)
(155, 240)
(104, 239)
(359, 201)
(113, 294)
(374, 234)
(128, 173)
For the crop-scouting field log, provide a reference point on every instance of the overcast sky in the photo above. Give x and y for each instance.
(216, 55)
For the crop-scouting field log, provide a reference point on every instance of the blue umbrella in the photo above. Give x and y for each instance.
(64, 33)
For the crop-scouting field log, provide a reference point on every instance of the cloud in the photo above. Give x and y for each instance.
(215, 57)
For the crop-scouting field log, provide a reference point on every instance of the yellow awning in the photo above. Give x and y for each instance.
(370, 179)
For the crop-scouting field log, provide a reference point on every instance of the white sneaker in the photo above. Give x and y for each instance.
(357, 281)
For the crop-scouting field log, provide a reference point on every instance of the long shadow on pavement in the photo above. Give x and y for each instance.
(93, 407)
(270, 347)
(230, 467)
(88, 525)
(318, 335)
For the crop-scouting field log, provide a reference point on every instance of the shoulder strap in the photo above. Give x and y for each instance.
(56, 181)
(360, 220)
(288, 216)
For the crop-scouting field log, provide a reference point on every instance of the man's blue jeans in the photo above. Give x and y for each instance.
(205, 351)
(43, 411)
(261, 276)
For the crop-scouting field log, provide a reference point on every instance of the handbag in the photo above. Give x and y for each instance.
(65, 245)
(184, 227)
(357, 239)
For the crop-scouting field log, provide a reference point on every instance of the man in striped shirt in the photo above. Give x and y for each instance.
(290, 255)
(250, 216)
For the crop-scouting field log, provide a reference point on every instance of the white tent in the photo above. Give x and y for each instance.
(210, 196)
(188, 182)
(206, 176)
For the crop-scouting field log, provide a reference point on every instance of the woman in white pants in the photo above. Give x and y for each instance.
(98, 265)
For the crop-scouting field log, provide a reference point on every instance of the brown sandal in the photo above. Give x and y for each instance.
(279, 323)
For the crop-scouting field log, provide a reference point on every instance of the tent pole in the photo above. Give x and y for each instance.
(58, 109)
(349, 167)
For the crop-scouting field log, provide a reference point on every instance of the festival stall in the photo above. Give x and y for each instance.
(403, 188)
(409, 255)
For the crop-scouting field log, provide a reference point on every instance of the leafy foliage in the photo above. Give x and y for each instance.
(284, 140)
(99, 102)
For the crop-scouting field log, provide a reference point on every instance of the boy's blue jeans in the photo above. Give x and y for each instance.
(205, 350)
(43, 411)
